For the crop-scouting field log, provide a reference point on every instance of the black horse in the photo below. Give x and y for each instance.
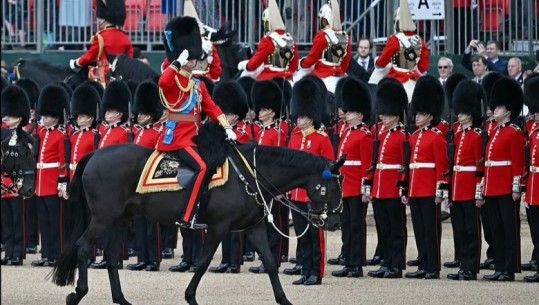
(104, 200)
(18, 162)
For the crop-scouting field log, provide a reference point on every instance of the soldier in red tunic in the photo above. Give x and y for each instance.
(466, 194)
(51, 174)
(388, 180)
(115, 109)
(277, 53)
(106, 44)
(427, 187)
(15, 114)
(186, 98)
(504, 168)
(356, 145)
(531, 95)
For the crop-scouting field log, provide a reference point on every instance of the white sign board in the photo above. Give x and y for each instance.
(427, 9)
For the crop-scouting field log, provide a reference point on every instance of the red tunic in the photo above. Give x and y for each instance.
(265, 49)
(116, 42)
(50, 167)
(114, 134)
(322, 70)
(241, 134)
(428, 161)
(532, 187)
(184, 131)
(504, 159)
(490, 126)
(271, 135)
(389, 164)
(467, 168)
(82, 143)
(147, 136)
(314, 142)
(356, 144)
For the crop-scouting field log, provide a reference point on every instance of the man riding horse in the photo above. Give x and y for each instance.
(108, 43)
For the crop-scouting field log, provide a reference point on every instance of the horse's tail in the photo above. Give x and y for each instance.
(78, 216)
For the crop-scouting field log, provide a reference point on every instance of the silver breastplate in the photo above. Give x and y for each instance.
(336, 49)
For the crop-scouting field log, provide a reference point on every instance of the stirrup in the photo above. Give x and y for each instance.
(191, 225)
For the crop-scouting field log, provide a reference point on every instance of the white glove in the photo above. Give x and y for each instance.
(242, 65)
(72, 65)
(230, 134)
(209, 59)
(62, 190)
(182, 59)
(207, 46)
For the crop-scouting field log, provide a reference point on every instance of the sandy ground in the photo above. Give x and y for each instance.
(27, 285)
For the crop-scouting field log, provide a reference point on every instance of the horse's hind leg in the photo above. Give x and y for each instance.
(213, 238)
(113, 252)
(259, 239)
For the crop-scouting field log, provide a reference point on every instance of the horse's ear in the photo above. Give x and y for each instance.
(337, 165)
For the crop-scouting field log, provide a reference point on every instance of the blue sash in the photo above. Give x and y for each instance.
(185, 108)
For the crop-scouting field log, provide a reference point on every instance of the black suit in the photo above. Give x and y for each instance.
(357, 70)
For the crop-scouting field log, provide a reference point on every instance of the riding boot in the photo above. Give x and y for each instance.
(191, 223)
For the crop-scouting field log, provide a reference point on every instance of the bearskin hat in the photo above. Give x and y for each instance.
(4, 83)
(286, 88)
(147, 100)
(246, 83)
(428, 97)
(307, 100)
(32, 90)
(15, 103)
(327, 103)
(338, 92)
(488, 83)
(231, 98)
(267, 94)
(112, 10)
(132, 85)
(182, 33)
(97, 86)
(210, 85)
(356, 97)
(53, 101)
(391, 98)
(507, 92)
(85, 100)
(531, 93)
(450, 84)
(468, 98)
(117, 96)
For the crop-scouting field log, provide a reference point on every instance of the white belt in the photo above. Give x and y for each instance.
(47, 165)
(328, 63)
(534, 169)
(403, 70)
(460, 168)
(382, 166)
(276, 69)
(352, 163)
(422, 165)
(497, 163)
(72, 166)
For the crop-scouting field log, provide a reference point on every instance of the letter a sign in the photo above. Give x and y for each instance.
(427, 9)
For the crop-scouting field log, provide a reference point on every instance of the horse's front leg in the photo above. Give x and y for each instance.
(113, 253)
(214, 236)
(259, 239)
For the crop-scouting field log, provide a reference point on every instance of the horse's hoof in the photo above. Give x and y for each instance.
(285, 301)
(72, 299)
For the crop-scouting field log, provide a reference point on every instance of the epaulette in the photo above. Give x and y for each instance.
(478, 131)
(241, 130)
(158, 127)
(62, 129)
(321, 132)
(366, 130)
(436, 130)
(515, 127)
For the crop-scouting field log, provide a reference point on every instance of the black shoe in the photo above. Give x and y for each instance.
(468, 276)
(5, 260)
(378, 273)
(455, 276)
(167, 253)
(419, 274)
(16, 261)
(506, 277)
(292, 260)
(234, 268)
(529, 266)
(31, 250)
(259, 269)
(249, 257)
(532, 278)
(100, 265)
(313, 280)
(222, 268)
(393, 274)
(131, 252)
(341, 273)
(487, 264)
(137, 267)
(154, 266)
(412, 263)
(39, 263)
(50, 263)
(300, 281)
(337, 261)
(181, 267)
(193, 268)
(434, 275)
(376, 260)
(452, 264)
(284, 259)
(355, 272)
(492, 277)
(296, 270)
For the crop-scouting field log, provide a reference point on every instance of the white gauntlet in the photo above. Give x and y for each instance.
(516, 184)
(479, 191)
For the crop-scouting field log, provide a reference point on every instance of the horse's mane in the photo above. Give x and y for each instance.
(211, 144)
(289, 158)
(230, 53)
(45, 73)
(134, 69)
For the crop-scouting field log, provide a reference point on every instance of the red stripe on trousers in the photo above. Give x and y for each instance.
(321, 235)
(198, 184)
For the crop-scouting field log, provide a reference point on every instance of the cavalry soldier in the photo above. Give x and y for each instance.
(186, 98)
(405, 56)
(307, 110)
(427, 186)
(531, 95)
(15, 114)
(147, 110)
(356, 144)
(331, 52)
(51, 173)
(106, 44)
(277, 53)
(388, 180)
(504, 168)
(466, 194)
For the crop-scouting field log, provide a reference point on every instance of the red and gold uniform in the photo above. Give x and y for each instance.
(316, 57)
(271, 135)
(389, 164)
(114, 134)
(241, 133)
(532, 191)
(83, 141)
(213, 66)
(147, 136)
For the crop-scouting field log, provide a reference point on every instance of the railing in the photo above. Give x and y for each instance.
(40, 25)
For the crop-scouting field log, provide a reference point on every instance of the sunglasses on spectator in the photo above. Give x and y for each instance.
(443, 67)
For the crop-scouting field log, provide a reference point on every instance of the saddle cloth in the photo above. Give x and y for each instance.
(160, 174)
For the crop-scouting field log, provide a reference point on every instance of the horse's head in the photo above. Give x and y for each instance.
(326, 197)
(18, 161)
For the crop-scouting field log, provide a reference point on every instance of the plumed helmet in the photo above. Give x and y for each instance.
(267, 94)
(147, 100)
(404, 17)
(246, 83)
(32, 90)
(273, 16)
(307, 101)
(85, 100)
(356, 97)
(531, 93)
(112, 10)
(117, 97)
(391, 98)
(53, 101)
(182, 33)
(507, 92)
(450, 84)
(428, 97)
(231, 98)
(488, 82)
(468, 98)
(15, 103)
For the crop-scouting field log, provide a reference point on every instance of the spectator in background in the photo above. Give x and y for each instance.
(490, 52)
(514, 68)
(462, 24)
(76, 16)
(445, 68)
(479, 68)
(363, 57)
(14, 16)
